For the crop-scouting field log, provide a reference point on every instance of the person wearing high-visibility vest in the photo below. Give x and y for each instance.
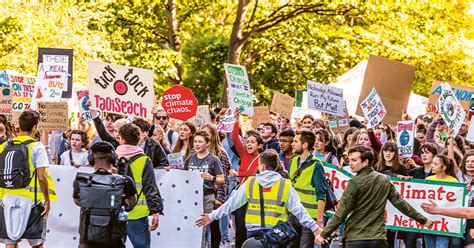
(38, 162)
(307, 177)
(278, 197)
(149, 202)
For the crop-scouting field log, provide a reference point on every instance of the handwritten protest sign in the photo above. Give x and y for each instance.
(338, 124)
(121, 89)
(451, 109)
(48, 87)
(239, 92)
(227, 123)
(282, 104)
(373, 108)
(464, 94)
(176, 160)
(6, 99)
(202, 116)
(325, 98)
(83, 99)
(58, 60)
(53, 116)
(415, 192)
(23, 89)
(261, 114)
(179, 103)
(393, 81)
(405, 138)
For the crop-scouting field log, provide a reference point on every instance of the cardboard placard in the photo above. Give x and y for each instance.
(53, 116)
(261, 115)
(238, 89)
(6, 100)
(450, 109)
(176, 160)
(405, 138)
(282, 104)
(463, 93)
(325, 98)
(121, 89)
(23, 89)
(373, 109)
(202, 116)
(338, 124)
(85, 112)
(179, 103)
(59, 60)
(393, 81)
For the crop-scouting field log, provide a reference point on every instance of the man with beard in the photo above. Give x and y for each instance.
(307, 177)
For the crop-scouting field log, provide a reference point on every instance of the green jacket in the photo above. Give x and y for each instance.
(363, 204)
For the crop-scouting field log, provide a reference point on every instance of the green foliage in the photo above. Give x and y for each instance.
(204, 71)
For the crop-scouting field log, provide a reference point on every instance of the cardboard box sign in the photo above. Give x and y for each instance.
(393, 81)
(463, 93)
(53, 116)
(261, 115)
(282, 104)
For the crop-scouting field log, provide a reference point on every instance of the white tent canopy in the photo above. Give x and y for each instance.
(351, 83)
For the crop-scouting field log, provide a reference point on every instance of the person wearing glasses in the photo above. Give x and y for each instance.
(286, 154)
(162, 119)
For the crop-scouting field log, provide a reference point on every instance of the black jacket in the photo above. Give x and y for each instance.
(156, 153)
(418, 172)
(103, 134)
(272, 144)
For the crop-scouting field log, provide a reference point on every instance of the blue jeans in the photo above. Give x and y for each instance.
(224, 225)
(437, 241)
(137, 232)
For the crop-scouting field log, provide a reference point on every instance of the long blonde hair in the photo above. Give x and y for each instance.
(180, 143)
(216, 146)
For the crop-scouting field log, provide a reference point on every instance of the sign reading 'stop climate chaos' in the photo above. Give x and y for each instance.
(179, 103)
(121, 89)
(239, 88)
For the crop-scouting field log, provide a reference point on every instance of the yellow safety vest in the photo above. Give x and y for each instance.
(29, 191)
(303, 186)
(141, 209)
(274, 201)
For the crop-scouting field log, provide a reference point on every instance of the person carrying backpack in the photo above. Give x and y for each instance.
(103, 197)
(134, 163)
(26, 188)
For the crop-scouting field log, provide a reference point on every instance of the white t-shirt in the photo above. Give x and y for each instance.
(40, 157)
(78, 158)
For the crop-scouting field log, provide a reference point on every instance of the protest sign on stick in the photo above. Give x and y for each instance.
(373, 109)
(325, 98)
(405, 138)
(393, 81)
(238, 90)
(121, 89)
(48, 86)
(53, 116)
(6, 100)
(179, 103)
(58, 60)
(282, 104)
(464, 94)
(450, 109)
(83, 99)
(227, 123)
(202, 116)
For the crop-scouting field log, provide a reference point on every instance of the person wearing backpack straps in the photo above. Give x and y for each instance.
(103, 197)
(307, 177)
(277, 197)
(138, 166)
(23, 176)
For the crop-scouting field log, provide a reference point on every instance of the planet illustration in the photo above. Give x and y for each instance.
(404, 138)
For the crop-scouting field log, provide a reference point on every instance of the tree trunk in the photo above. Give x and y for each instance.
(175, 42)
(236, 43)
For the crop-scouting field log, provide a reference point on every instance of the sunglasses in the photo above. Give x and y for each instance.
(162, 117)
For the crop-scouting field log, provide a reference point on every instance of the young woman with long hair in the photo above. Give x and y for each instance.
(388, 162)
(185, 141)
(324, 148)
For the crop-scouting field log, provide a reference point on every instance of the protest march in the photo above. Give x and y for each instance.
(114, 165)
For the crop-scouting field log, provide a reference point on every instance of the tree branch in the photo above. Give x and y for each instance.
(133, 23)
(253, 12)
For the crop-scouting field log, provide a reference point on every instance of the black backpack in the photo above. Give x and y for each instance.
(101, 202)
(14, 167)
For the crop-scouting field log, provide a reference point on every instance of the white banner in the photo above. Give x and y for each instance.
(183, 198)
(415, 192)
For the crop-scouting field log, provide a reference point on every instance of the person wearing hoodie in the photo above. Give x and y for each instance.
(276, 189)
(151, 148)
(268, 132)
(134, 163)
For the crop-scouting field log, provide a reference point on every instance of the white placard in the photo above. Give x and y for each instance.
(405, 138)
(373, 108)
(238, 89)
(451, 109)
(325, 98)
